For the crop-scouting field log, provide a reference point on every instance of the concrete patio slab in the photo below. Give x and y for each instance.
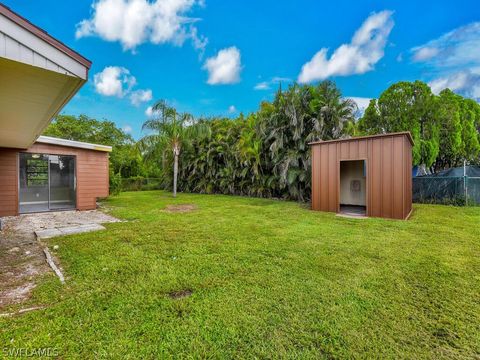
(69, 230)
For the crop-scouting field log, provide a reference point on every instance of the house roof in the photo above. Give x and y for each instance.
(402, 133)
(39, 75)
(39, 32)
(73, 144)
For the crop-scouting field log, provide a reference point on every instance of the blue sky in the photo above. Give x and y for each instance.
(214, 57)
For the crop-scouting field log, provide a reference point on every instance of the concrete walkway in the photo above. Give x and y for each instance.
(68, 230)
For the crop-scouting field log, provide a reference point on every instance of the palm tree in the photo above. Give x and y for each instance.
(333, 115)
(169, 131)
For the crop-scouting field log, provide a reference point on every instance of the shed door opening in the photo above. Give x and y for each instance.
(353, 185)
(47, 182)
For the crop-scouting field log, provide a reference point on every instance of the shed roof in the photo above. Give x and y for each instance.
(402, 133)
(74, 144)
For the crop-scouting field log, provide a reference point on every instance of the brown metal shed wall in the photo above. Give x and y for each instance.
(91, 171)
(408, 178)
(388, 161)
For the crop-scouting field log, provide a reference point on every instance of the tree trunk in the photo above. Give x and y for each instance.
(176, 152)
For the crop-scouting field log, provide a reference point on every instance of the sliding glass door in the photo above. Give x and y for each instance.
(47, 182)
(33, 192)
(62, 182)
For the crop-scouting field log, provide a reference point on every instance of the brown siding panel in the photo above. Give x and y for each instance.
(389, 182)
(8, 182)
(375, 179)
(315, 178)
(408, 178)
(332, 178)
(324, 178)
(386, 178)
(398, 178)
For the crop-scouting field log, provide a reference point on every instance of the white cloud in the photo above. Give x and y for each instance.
(454, 59)
(232, 109)
(458, 47)
(127, 129)
(225, 67)
(149, 111)
(139, 96)
(264, 85)
(465, 82)
(199, 42)
(114, 81)
(134, 22)
(117, 81)
(267, 85)
(425, 53)
(362, 104)
(357, 57)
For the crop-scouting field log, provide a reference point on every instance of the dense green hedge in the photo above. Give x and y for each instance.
(267, 154)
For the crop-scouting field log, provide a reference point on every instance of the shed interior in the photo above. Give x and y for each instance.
(353, 187)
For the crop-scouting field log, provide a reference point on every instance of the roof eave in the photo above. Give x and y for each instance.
(27, 25)
(402, 133)
(73, 144)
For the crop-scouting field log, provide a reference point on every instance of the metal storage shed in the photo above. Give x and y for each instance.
(368, 175)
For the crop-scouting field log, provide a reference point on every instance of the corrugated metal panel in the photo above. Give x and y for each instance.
(388, 167)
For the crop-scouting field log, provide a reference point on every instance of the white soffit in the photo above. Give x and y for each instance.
(29, 98)
(73, 144)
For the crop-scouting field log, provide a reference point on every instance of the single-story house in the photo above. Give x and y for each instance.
(366, 176)
(38, 76)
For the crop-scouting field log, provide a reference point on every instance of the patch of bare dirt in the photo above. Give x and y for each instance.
(16, 294)
(21, 255)
(21, 261)
(180, 208)
(180, 294)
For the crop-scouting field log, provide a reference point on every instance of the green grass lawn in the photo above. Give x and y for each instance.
(268, 279)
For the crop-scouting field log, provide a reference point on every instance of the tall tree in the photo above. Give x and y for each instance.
(169, 132)
(450, 129)
(334, 115)
(125, 160)
(297, 116)
(470, 121)
(406, 106)
(266, 153)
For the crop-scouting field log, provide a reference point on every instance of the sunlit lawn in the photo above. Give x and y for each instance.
(267, 279)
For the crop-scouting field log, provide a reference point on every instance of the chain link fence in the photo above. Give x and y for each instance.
(449, 190)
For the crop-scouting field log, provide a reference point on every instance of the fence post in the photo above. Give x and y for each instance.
(465, 181)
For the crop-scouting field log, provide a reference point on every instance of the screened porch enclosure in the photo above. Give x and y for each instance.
(46, 182)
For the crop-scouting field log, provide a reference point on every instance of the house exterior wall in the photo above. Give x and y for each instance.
(388, 184)
(8, 182)
(91, 172)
